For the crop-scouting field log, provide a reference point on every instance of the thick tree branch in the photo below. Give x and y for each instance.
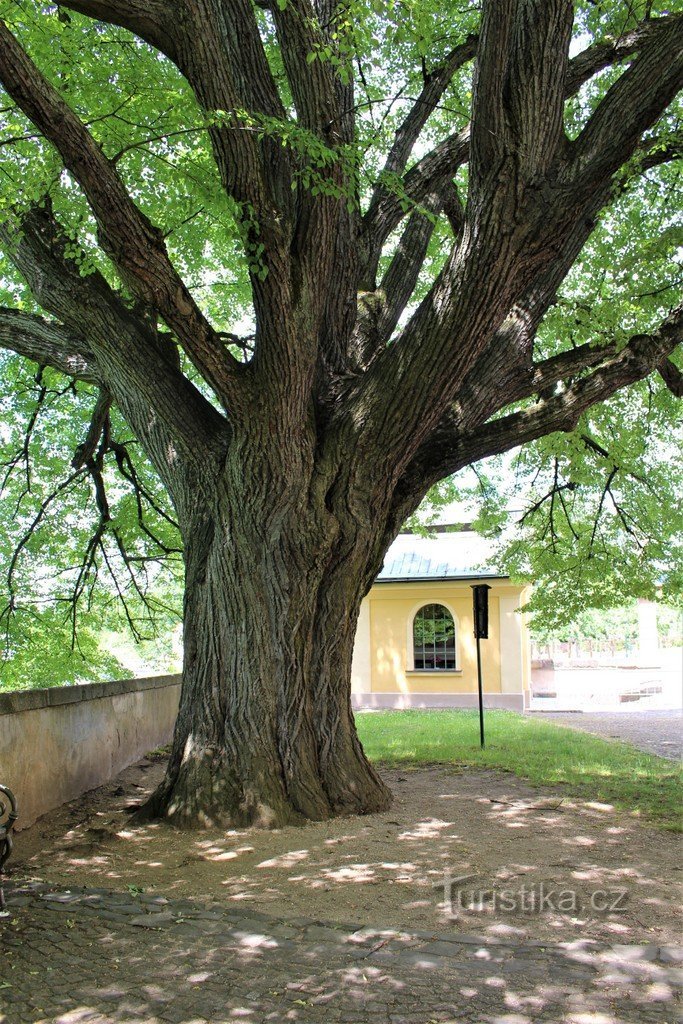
(635, 101)
(493, 54)
(610, 51)
(172, 28)
(450, 449)
(48, 344)
(151, 20)
(218, 49)
(454, 209)
(658, 153)
(220, 53)
(332, 17)
(379, 310)
(506, 364)
(233, 49)
(517, 188)
(562, 410)
(407, 135)
(135, 246)
(436, 83)
(430, 175)
(324, 247)
(518, 94)
(579, 70)
(672, 377)
(312, 80)
(133, 361)
(434, 170)
(398, 284)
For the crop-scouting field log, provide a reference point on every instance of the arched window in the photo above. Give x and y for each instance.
(433, 639)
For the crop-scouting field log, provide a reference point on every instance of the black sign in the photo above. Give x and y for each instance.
(480, 594)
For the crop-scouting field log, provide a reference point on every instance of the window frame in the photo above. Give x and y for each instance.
(417, 608)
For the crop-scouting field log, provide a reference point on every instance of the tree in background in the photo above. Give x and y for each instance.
(311, 256)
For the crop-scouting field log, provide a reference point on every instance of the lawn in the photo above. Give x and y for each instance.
(549, 755)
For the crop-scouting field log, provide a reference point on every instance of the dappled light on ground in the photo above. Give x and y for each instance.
(506, 844)
(76, 958)
(591, 768)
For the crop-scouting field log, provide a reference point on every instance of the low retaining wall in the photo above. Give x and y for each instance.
(58, 743)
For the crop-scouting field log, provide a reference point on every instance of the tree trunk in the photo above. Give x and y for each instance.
(265, 733)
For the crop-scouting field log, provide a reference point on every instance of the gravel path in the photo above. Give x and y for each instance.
(100, 957)
(657, 732)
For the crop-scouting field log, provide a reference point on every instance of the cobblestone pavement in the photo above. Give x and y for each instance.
(71, 957)
(657, 732)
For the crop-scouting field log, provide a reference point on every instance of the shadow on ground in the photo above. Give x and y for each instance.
(511, 844)
(101, 957)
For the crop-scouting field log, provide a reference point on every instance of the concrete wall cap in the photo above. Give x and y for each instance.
(33, 700)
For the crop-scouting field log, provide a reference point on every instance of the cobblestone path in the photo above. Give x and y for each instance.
(98, 957)
(657, 732)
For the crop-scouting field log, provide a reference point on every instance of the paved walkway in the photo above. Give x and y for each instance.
(99, 957)
(657, 732)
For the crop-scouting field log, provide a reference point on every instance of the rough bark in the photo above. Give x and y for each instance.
(265, 733)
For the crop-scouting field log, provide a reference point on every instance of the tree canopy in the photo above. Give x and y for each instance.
(597, 503)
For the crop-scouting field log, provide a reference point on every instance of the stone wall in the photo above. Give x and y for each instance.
(56, 744)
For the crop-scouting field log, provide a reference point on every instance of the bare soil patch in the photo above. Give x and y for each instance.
(536, 864)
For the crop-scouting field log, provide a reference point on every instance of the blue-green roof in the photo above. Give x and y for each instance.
(411, 565)
(446, 556)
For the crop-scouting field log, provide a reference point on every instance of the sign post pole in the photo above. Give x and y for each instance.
(481, 696)
(480, 597)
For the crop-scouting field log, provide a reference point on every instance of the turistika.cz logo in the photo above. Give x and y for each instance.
(461, 898)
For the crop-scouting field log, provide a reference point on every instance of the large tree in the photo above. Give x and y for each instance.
(405, 188)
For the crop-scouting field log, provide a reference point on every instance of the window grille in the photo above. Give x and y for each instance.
(434, 639)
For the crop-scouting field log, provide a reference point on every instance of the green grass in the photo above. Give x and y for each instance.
(585, 766)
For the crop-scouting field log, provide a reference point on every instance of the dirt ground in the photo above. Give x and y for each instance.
(533, 864)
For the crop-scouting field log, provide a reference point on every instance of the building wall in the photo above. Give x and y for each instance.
(383, 653)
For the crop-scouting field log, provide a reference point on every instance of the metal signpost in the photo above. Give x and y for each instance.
(480, 596)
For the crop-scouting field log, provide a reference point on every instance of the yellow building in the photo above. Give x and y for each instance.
(415, 644)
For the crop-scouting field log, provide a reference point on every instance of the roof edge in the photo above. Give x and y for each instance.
(440, 579)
